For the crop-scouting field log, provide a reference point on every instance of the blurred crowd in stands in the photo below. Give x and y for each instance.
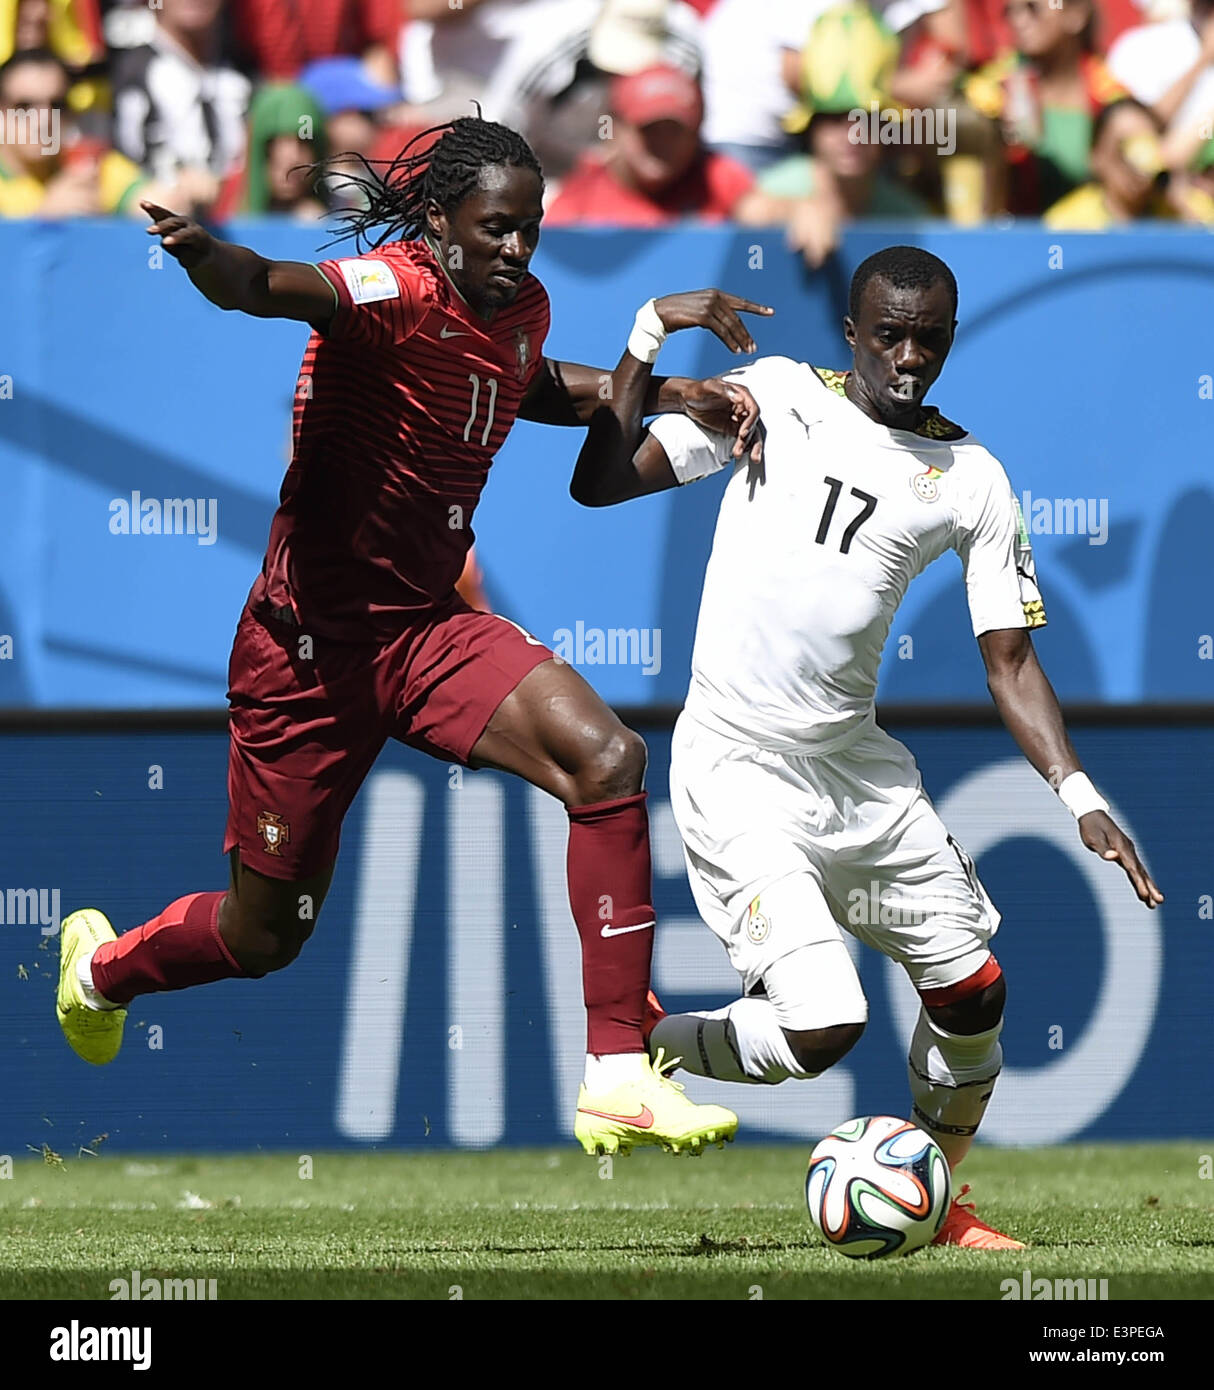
(804, 114)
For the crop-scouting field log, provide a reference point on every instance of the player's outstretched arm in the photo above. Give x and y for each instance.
(1029, 708)
(611, 467)
(234, 277)
(616, 464)
(568, 393)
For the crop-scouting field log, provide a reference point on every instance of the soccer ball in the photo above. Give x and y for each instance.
(877, 1186)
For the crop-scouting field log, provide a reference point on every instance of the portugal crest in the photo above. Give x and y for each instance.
(274, 831)
(522, 354)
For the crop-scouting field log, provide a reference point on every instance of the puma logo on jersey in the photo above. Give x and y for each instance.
(799, 418)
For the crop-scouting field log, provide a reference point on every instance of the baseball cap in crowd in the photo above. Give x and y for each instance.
(342, 84)
(659, 93)
(847, 63)
(628, 35)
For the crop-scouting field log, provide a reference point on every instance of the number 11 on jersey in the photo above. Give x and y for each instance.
(476, 396)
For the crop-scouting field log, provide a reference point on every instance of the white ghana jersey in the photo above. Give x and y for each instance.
(815, 548)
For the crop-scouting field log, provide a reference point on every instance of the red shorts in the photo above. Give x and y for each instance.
(305, 732)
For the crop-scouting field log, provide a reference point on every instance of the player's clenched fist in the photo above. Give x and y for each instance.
(712, 309)
(179, 235)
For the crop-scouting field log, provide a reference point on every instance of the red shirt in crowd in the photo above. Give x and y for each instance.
(592, 193)
(284, 36)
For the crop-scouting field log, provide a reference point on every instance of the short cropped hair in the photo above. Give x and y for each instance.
(904, 267)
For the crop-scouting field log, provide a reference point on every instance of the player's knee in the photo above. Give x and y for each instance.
(973, 1013)
(261, 945)
(270, 952)
(818, 1049)
(612, 765)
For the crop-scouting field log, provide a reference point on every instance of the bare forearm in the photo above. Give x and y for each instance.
(631, 390)
(1029, 708)
(571, 394)
(231, 277)
(614, 432)
(566, 393)
(666, 395)
(621, 460)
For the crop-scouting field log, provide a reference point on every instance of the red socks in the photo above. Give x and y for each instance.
(610, 892)
(181, 947)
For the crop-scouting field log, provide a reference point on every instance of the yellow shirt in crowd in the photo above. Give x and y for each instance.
(119, 181)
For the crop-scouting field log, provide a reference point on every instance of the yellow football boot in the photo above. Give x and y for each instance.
(650, 1110)
(95, 1034)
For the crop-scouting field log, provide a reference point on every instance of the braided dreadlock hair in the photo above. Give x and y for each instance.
(447, 170)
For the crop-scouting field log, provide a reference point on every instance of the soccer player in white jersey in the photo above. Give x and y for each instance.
(788, 795)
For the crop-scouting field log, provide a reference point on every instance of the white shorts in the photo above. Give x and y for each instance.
(786, 852)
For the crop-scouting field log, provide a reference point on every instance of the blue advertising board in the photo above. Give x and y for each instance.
(439, 1001)
(1084, 362)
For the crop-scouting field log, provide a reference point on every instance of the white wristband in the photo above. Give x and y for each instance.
(1079, 796)
(648, 334)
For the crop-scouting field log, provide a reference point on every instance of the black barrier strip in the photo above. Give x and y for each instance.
(93, 721)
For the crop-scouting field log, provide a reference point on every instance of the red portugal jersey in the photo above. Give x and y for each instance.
(399, 410)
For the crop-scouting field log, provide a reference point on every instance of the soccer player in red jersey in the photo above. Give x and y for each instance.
(425, 349)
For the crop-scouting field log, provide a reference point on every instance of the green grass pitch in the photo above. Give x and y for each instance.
(554, 1224)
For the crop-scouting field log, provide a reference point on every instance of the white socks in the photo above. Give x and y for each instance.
(742, 1042)
(92, 995)
(606, 1071)
(952, 1077)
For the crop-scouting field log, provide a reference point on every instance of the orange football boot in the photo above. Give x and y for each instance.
(962, 1227)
